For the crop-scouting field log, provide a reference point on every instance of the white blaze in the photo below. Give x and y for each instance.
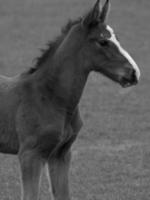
(123, 51)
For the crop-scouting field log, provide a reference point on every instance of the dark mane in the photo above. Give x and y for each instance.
(53, 45)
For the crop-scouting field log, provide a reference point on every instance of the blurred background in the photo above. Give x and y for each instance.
(111, 157)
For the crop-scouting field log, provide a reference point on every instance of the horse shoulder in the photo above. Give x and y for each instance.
(38, 128)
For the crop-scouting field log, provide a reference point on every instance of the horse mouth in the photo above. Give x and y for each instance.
(125, 82)
(125, 85)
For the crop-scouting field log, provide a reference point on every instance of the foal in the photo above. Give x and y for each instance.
(39, 114)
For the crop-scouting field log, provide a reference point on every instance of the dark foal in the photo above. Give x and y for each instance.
(39, 114)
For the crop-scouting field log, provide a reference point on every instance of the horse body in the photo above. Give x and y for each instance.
(39, 112)
(24, 117)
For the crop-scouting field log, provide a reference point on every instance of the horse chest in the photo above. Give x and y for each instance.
(55, 141)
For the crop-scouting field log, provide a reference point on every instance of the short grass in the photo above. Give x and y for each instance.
(111, 157)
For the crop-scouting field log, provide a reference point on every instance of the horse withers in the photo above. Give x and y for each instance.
(39, 113)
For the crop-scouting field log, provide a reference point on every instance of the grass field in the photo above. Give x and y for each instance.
(111, 157)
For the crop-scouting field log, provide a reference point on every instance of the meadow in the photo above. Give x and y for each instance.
(111, 157)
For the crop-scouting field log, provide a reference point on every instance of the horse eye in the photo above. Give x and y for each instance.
(100, 42)
(103, 42)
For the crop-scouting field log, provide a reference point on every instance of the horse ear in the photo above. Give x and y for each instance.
(92, 17)
(105, 11)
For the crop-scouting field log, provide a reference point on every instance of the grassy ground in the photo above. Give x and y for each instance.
(111, 157)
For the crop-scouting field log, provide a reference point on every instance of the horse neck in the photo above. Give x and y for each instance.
(63, 80)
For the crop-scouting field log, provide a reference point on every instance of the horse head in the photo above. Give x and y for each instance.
(98, 48)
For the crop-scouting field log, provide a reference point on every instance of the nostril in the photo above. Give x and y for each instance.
(134, 77)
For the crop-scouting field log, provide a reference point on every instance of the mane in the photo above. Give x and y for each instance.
(53, 45)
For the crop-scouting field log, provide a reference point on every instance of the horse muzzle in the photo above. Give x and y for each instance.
(131, 78)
